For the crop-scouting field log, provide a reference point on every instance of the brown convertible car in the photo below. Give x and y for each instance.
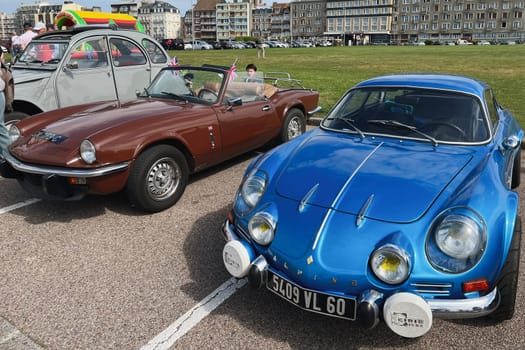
(188, 119)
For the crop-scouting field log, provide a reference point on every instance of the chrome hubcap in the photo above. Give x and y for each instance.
(163, 179)
(294, 128)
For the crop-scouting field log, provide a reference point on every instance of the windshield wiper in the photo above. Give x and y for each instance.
(179, 97)
(349, 122)
(412, 128)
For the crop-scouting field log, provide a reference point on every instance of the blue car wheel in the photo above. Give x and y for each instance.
(508, 281)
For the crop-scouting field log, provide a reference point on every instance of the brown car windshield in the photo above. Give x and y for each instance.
(194, 85)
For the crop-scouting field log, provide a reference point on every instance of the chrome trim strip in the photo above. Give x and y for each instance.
(307, 197)
(330, 210)
(45, 170)
(432, 285)
(431, 291)
(465, 308)
(363, 211)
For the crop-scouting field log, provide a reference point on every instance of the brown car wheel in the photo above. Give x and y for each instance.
(158, 178)
(294, 125)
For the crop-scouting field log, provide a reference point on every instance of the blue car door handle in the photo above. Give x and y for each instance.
(266, 108)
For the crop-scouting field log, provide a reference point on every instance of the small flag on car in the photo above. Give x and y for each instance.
(233, 72)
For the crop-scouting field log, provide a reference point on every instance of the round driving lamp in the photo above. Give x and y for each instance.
(262, 228)
(390, 264)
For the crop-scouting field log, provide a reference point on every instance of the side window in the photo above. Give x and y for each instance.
(492, 106)
(91, 53)
(154, 51)
(126, 53)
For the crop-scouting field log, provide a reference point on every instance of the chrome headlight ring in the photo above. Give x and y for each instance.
(456, 240)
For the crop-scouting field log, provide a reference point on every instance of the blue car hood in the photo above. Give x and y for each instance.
(389, 181)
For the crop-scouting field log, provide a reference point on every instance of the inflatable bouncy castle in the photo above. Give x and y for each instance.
(71, 18)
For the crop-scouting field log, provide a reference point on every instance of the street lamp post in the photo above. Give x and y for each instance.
(192, 25)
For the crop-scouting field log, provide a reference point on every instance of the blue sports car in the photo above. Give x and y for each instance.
(399, 207)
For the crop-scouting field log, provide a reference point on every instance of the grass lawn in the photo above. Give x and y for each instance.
(333, 70)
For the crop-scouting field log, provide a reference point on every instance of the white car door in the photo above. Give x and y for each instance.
(86, 75)
(131, 67)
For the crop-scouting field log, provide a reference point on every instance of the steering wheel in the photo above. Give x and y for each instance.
(434, 126)
(204, 90)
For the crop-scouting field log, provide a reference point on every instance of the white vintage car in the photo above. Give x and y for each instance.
(82, 65)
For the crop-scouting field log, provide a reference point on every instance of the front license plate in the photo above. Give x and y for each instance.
(310, 300)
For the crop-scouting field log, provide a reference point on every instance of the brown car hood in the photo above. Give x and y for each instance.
(58, 142)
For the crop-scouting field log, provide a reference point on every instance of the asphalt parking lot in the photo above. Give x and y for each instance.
(97, 274)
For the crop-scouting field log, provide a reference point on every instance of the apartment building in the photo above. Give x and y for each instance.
(233, 19)
(450, 20)
(161, 20)
(308, 19)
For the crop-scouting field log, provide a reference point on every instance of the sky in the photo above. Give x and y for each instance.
(10, 6)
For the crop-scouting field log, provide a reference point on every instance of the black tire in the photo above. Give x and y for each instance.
(516, 170)
(294, 125)
(13, 117)
(158, 178)
(508, 279)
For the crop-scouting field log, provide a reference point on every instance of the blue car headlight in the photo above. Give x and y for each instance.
(390, 264)
(456, 240)
(262, 228)
(250, 192)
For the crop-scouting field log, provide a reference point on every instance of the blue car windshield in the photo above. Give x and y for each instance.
(426, 114)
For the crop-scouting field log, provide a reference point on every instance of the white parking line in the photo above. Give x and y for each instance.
(18, 205)
(186, 322)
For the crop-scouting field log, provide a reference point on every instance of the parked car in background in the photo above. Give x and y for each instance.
(201, 45)
(86, 64)
(237, 45)
(188, 119)
(401, 206)
(172, 44)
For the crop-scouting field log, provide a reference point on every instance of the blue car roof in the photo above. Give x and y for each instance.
(430, 81)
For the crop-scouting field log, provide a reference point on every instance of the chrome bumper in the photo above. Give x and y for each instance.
(228, 232)
(315, 110)
(465, 308)
(66, 172)
(441, 308)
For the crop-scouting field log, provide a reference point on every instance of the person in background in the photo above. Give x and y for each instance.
(50, 27)
(39, 28)
(28, 35)
(260, 48)
(252, 77)
(15, 44)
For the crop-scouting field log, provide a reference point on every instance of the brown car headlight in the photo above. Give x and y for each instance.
(88, 153)
(14, 134)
